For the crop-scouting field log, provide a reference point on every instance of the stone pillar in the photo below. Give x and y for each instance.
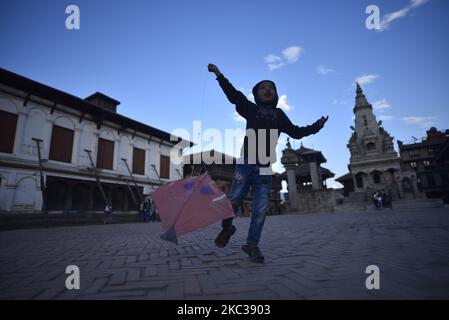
(289, 160)
(354, 180)
(314, 175)
(366, 182)
(400, 190)
(39, 196)
(292, 190)
(416, 192)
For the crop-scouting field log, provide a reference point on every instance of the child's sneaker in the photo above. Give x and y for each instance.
(223, 237)
(254, 253)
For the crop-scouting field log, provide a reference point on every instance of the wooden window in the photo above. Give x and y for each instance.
(414, 153)
(165, 167)
(138, 161)
(105, 156)
(8, 124)
(61, 144)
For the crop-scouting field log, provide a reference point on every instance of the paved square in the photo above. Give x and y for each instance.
(314, 256)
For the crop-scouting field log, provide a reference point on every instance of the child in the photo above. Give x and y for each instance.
(263, 115)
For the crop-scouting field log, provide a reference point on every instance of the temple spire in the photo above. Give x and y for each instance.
(360, 99)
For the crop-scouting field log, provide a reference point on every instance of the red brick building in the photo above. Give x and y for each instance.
(429, 160)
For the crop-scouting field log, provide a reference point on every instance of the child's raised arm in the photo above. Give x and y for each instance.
(234, 96)
(299, 132)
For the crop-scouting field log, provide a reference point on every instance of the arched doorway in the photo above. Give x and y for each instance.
(376, 176)
(359, 180)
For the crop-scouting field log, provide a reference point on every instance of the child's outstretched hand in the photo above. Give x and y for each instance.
(213, 68)
(322, 121)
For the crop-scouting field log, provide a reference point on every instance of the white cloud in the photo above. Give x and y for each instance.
(282, 103)
(381, 105)
(289, 55)
(322, 69)
(388, 18)
(385, 118)
(367, 78)
(271, 58)
(292, 53)
(273, 66)
(238, 117)
(421, 121)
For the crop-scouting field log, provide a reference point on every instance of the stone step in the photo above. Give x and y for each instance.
(399, 204)
(350, 208)
(419, 203)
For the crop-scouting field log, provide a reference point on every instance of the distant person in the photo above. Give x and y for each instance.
(108, 210)
(377, 199)
(260, 116)
(387, 199)
(152, 210)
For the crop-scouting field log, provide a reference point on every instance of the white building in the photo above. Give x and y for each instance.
(68, 125)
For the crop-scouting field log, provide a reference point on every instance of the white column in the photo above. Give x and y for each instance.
(76, 146)
(45, 151)
(39, 195)
(314, 175)
(148, 168)
(94, 150)
(10, 189)
(116, 164)
(21, 121)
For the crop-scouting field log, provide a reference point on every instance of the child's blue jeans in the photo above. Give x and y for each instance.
(246, 175)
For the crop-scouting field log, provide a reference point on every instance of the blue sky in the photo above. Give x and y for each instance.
(152, 56)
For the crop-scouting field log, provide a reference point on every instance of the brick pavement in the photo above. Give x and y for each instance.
(314, 256)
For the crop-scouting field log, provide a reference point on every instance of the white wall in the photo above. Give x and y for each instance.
(20, 189)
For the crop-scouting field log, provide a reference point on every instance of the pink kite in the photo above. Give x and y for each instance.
(190, 204)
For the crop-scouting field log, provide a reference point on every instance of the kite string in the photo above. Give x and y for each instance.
(205, 80)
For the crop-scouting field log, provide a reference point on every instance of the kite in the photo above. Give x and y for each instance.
(190, 204)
